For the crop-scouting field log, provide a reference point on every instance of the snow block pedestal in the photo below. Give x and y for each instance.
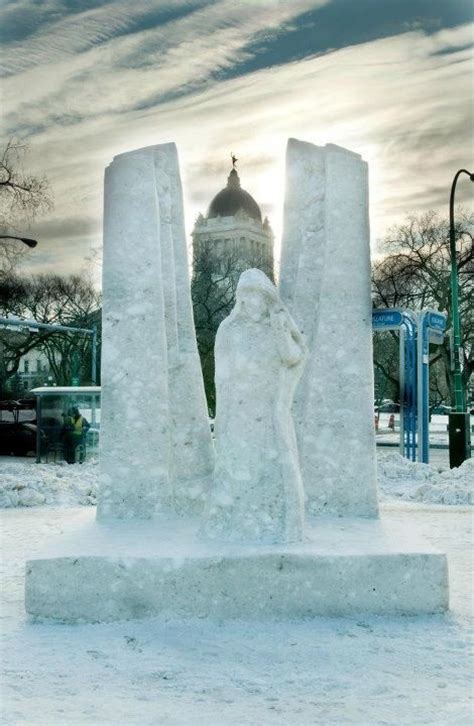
(116, 571)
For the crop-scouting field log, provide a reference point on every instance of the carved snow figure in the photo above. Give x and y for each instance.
(257, 494)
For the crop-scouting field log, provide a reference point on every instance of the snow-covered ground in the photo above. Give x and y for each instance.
(24, 483)
(360, 670)
(438, 429)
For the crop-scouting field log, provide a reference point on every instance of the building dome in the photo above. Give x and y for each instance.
(233, 198)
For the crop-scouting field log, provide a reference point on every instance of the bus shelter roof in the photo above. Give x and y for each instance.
(64, 390)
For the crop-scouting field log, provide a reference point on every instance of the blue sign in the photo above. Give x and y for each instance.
(388, 319)
(437, 321)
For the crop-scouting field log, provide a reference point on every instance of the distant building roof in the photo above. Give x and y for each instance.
(233, 198)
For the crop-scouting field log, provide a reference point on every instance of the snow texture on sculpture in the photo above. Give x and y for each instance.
(257, 494)
(325, 281)
(156, 447)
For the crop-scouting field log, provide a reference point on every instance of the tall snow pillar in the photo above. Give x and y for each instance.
(149, 347)
(325, 281)
(192, 450)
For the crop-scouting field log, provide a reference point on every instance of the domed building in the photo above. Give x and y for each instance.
(232, 234)
(231, 238)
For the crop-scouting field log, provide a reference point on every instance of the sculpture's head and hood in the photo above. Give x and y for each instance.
(255, 295)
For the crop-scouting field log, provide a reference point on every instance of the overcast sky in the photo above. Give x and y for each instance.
(87, 79)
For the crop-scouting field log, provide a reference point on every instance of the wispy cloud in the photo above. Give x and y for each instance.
(111, 79)
(136, 70)
(53, 31)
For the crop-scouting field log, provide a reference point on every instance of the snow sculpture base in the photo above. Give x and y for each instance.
(104, 572)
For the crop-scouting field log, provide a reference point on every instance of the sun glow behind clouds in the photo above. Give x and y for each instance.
(403, 102)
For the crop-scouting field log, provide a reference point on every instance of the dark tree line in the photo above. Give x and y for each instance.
(64, 300)
(216, 272)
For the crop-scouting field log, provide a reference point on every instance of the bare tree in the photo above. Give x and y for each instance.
(11, 254)
(78, 305)
(71, 301)
(415, 274)
(22, 195)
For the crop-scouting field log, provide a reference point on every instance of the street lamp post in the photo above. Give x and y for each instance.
(459, 420)
(26, 240)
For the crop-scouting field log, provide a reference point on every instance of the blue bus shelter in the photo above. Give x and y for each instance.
(416, 332)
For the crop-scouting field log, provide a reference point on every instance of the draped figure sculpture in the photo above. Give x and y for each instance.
(257, 493)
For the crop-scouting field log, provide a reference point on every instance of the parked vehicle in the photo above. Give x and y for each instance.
(440, 410)
(388, 408)
(18, 439)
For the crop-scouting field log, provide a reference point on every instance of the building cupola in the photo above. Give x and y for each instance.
(232, 199)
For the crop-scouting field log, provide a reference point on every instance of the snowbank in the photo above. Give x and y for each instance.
(399, 478)
(25, 484)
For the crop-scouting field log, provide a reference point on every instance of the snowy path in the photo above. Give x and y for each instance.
(364, 670)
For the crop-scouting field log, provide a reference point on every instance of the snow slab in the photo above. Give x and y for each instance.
(106, 571)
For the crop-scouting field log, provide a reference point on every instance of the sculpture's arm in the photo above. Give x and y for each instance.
(289, 340)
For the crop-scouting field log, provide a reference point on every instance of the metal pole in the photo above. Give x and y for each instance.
(94, 356)
(402, 391)
(423, 389)
(26, 240)
(38, 429)
(457, 376)
(410, 401)
(459, 444)
(412, 349)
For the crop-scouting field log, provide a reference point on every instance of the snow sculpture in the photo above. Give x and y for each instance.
(325, 281)
(156, 447)
(257, 494)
